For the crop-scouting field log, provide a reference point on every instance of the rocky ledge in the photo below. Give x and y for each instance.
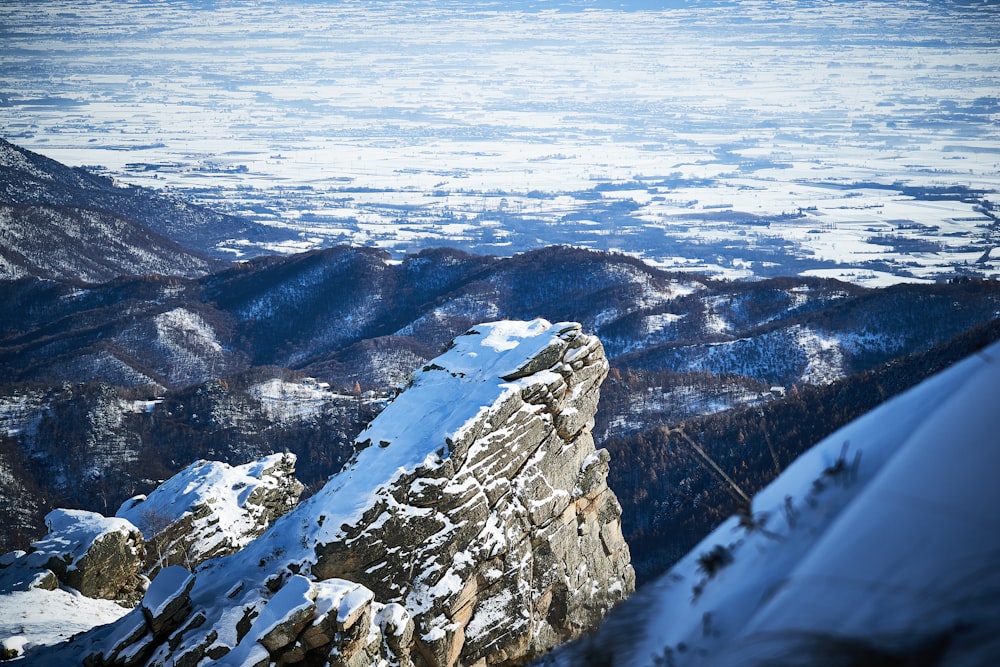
(473, 526)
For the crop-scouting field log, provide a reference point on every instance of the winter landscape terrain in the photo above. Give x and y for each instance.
(875, 547)
(412, 333)
(848, 139)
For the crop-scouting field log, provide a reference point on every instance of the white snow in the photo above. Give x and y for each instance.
(14, 646)
(39, 617)
(355, 598)
(141, 406)
(460, 111)
(72, 532)
(286, 401)
(217, 494)
(170, 582)
(180, 328)
(131, 625)
(507, 335)
(297, 594)
(884, 531)
(449, 394)
(826, 360)
(394, 615)
(489, 613)
(331, 595)
(221, 487)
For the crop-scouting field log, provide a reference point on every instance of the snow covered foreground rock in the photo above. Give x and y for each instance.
(97, 556)
(212, 509)
(879, 546)
(208, 509)
(473, 527)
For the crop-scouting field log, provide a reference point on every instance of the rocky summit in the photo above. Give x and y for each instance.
(212, 509)
(473, 526)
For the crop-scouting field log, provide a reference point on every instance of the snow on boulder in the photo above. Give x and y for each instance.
(166, 595)
(98, 556)
(878, 546)
(474, 525)
(211, 509)
(12, 647)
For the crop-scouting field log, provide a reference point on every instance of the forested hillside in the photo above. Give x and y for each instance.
(113, 386)
(66, 222)
(128, 349)
(673, 495)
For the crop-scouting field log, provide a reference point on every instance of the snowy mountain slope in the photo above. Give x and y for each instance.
(879, 543)
(87, 245)
(94, 446)
(45, 187)
(190, 342)
(125, 333)
(318, 311)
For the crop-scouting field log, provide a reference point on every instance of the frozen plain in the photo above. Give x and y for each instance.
(739, 138)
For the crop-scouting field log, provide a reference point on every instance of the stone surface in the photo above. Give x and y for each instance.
(98, 556)
(516, 546)
(167, 598)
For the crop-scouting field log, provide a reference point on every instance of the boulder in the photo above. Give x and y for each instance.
(100, 557)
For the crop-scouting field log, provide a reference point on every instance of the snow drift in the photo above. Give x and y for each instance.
(880, 544)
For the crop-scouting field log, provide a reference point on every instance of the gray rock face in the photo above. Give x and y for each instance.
(512, 546)
(473, 527)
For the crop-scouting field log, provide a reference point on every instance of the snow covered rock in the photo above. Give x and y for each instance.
(211, 509)
(474, 526)
(12, 647)
(167, 597)
(505, 540)
(97, 556)
(877, 546)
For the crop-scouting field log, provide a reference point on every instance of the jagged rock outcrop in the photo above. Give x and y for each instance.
(97, 556)
(212, 509)
(503, 542)
(473, 527)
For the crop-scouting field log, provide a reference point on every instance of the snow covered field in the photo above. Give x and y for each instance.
(738, 137)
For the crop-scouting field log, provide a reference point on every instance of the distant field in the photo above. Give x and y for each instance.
(853, 139)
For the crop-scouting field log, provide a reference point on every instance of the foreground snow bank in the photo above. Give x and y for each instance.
(881, 542)
(39, 617)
